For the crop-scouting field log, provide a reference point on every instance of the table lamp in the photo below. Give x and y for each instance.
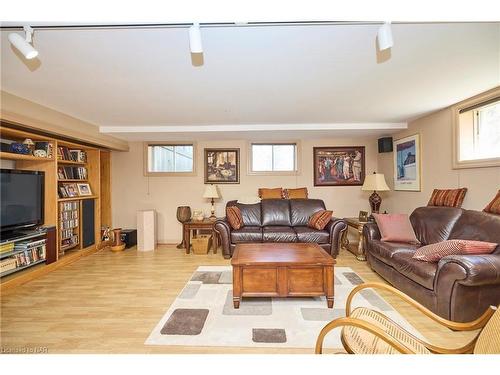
(211, 193)
(375, 182)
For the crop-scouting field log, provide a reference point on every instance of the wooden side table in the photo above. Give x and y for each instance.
(359, 250)
(206, 224)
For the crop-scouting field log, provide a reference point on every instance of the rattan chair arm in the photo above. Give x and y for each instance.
(342, 322)
(468, 326)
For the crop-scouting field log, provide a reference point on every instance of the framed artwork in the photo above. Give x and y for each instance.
(222, 166)
(339, 166)
(84, 189)
(407, 163)
(71, 190)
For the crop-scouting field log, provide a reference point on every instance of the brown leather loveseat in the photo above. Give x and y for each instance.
(280, 220)
(458, 287)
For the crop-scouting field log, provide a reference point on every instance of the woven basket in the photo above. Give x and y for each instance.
(201, 243)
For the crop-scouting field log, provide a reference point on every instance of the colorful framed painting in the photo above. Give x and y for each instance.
(339, 166)
(407, 163)
(222, 166)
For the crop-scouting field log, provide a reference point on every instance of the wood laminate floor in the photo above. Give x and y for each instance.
(109, 303)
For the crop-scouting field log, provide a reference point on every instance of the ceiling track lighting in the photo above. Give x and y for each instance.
(195, 39)
(384, 36)
(24, 45)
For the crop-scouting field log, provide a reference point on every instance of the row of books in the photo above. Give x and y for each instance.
(71, 241)
(66, 233)
(65, 153)
(30, 255)
(6, 247)
(68, 215)
(73, 173)
(67, 224)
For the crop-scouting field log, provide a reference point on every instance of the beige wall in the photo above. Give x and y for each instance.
(132, 191)
(436, 149)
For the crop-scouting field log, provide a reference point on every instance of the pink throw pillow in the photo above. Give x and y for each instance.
(434, 252)
(395, 228)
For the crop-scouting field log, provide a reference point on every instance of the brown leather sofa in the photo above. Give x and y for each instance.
(459, 287)
(280, 220)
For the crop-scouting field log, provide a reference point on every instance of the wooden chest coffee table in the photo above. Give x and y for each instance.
(282, 270)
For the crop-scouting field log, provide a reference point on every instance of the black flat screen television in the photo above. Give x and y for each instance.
(22, 197)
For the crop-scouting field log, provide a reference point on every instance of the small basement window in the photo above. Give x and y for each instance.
(165, 159)
(273, 158)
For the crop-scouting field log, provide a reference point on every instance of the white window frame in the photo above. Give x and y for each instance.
(168, 143)
(250, 170)
(473, 102)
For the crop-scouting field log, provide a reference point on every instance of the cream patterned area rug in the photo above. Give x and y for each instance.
(203, 314)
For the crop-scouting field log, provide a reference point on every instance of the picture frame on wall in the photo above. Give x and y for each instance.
(222, 165)
(339, 166)
(407, 163)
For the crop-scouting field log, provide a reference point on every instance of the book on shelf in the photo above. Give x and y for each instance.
(64, 153)
(72, 173)
(7, 247)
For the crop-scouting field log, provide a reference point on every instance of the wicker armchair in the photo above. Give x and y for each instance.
(366, 331)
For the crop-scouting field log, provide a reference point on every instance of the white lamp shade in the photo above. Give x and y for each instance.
(211, 192)
(375, 182)
(23, 46)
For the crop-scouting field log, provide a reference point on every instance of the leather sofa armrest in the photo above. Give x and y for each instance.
(335, 227)
(371, 231)
(473, 270)
(223, 228)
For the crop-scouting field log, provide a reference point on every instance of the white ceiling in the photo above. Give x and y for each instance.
(254, 75)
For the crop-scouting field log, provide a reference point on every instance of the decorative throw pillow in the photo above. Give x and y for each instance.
(395, 228)
(299, 193)
(436, 251)
(447, 197)
(234, 217)
(276, 193)
(494, 206)
(319, 219)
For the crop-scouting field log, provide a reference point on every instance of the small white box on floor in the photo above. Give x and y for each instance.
(146, 230)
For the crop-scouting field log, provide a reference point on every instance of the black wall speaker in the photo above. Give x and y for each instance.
(385, 144)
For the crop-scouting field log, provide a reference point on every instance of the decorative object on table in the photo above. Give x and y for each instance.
(357, 249)
(339, 166)
(146, 230)
(28, 142)
(196, 225)
(222, 166)
(375, 182)
(84, 189)
(363, 216)
(183, 215)
(105, 233)
(211, 193)
(19, 148)
(407, 163)
(117, 244)
(447, 197)
(201, 244)
(71, 189)
(198, 215)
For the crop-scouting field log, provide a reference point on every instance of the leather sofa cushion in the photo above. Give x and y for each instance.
(434, 224)
(275, 233)
(275, 212)
(385, 251)
(303, 209)
(422, 273)
(306, 234)
(246, 234)
(478, 226)
(250, 213)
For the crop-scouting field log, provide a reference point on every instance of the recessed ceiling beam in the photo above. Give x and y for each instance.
(253, 127)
